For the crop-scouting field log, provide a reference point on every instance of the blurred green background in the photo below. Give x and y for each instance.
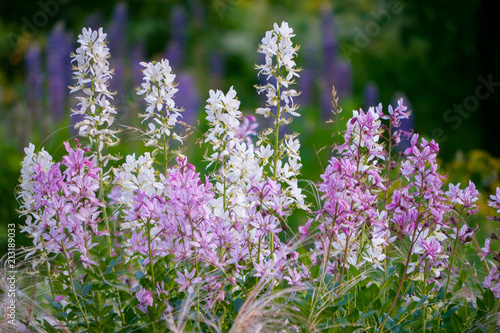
(441, 56)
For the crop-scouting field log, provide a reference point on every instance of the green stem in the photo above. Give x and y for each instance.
(153, 316)
(424, 312)
(165, 148)
(345, 260)
(101, 199)
(84, 314)
(408, 258)
(50, 280)
(386, 196)
(451, 261)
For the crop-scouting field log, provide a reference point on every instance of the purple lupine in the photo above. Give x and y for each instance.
(407, 124)
(370, 95)
(117, 46)
(307, 78)
(188, 97)
(342, 78)
(94, 21)
(217, 67)
(34, 80)
(58, 69)
(178, 37)
(330, 55)
(137, 55)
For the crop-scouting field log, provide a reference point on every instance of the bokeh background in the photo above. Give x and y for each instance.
(442, 57)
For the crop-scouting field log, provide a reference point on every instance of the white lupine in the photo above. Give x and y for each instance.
(31, 160)
(279, 53)
(282, 154)
(239, 163)
(92, 74)
(159, 89)
(25, 196)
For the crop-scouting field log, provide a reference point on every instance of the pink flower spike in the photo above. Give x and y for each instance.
(486, 249)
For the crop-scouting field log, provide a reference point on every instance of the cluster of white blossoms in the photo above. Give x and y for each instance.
(279, 53)
(159, 90)
(239, 164)
(280, 68)
(92, 74)
(30, 161)
(26, 198)
(136, 174)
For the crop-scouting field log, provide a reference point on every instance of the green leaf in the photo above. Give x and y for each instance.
(315, 272)
(238, 303)
(461, 279)
(456, 323)
(86, 289)
(489, 299)
(353, 315)
(441, 294)
(387, 283)
(464, 312)
(78, 286)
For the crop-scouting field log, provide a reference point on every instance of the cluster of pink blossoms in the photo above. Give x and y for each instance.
(61, 203)
(364, 211)
(492, 280)
(230, 227)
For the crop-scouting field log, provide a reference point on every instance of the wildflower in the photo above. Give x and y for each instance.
(486, 249)
(92, 75)
(187, 280)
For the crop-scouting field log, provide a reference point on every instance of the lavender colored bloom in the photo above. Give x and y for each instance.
(58, 69)
(137, 55)
(94, 21)
(342, 78)
(117, 45)
(329, 40)
(34, 80)
(335, 72)
(217, 66)
(176, 47)
(370, 95)
(407, 124)
(188, 97)
(307, 78)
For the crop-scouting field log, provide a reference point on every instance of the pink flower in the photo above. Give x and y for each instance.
(145, 298)
(187, 280)
(486, 249)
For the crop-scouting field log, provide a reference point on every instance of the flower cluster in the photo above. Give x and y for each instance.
(61, 204)
(350, 189)
(224, 239)
(280, 71)
(92, 75)
(492, 280)
(159, 90)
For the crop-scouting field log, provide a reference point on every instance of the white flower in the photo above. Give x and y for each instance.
(159, 89)
(92, 74)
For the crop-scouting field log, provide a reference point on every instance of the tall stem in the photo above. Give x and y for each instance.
(345, 260)
(151, 265)
(455, 244)
(424, 312)
(165, 147)
(84, 314)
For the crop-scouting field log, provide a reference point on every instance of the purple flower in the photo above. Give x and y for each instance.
(117, 45)
(58, 71)
(187, 280)
(145, 298)
(34, 80)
